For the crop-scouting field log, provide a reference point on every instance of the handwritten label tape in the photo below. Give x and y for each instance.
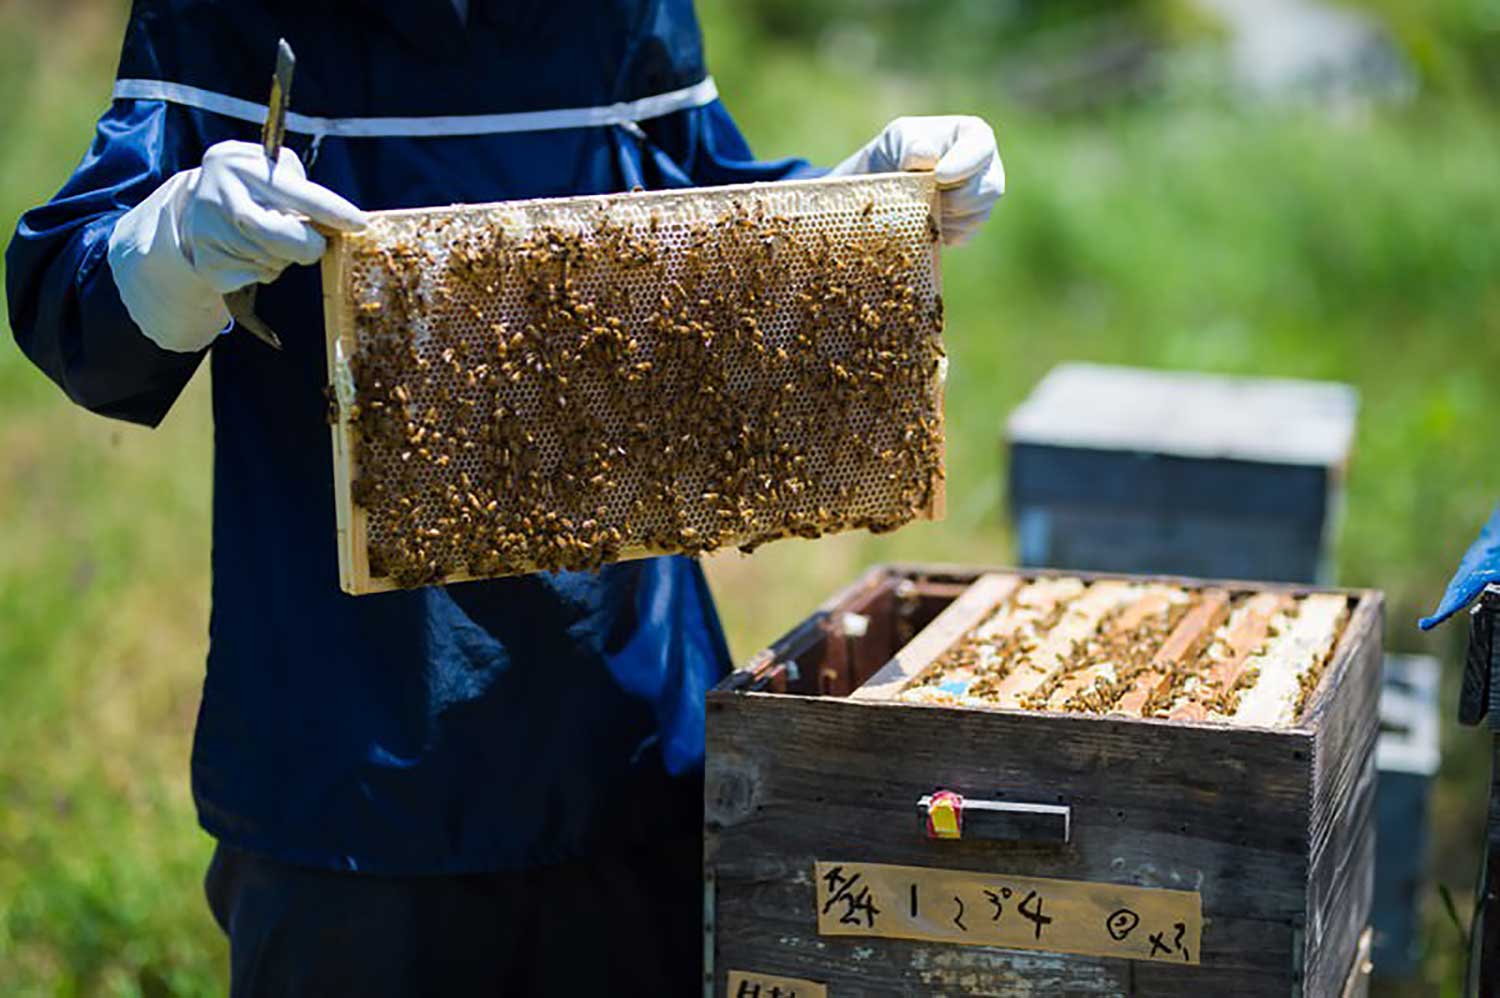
(744, 984)
(991, 909)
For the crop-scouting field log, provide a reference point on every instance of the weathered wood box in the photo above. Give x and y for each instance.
(1134, 470)
(1026, 830)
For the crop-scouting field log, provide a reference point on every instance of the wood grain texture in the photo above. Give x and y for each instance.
(951, 626)
(990, 908)
(853, 968)
(766, 985)
(1343, 715)
(854, 653)
(1210, 417)
(1134, 775)
(1272, 827)
(1338, 913)
(1187, 639)
(1246, 635)
(807, 644)
(776, 922)
(1081, 619)
(1342, 832)
(1154, 602)
(1291, 658)
(793, 779)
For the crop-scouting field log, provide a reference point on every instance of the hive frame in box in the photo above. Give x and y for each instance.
(845, 194)
(1273, 827)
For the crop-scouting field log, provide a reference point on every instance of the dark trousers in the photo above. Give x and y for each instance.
(622, 925)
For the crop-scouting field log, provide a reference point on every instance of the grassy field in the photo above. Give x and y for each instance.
(1178, 232)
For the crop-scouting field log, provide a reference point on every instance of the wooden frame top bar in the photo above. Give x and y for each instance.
(1203, 623)
(962, 616)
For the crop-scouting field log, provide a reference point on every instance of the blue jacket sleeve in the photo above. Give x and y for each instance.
(1479, 568)
(65, 311)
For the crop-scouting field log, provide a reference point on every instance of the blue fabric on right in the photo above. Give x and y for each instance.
(1480, 567)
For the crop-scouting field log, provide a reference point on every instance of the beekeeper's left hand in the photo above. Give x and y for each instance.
(959, 149)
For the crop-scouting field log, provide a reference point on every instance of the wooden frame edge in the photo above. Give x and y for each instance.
(897, 178)
(1367, 603)
(937, 505)
(950, 626)
(350, 519)
(354, 573)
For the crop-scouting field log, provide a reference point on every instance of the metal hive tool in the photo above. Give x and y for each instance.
(560, 384)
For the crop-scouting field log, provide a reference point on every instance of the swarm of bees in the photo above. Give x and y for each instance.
(558, 394)
(1150, 651)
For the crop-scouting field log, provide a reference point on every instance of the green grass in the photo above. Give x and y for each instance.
(103, 613)
(1180, 233)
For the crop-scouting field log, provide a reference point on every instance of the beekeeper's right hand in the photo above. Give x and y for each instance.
(228, 223)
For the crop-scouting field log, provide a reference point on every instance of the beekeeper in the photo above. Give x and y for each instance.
(491, 788)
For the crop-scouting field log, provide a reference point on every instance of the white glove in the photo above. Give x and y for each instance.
(960, 149)
(211, 230)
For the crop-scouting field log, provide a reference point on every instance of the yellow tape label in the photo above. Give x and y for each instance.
(744, 984)
(992, 909)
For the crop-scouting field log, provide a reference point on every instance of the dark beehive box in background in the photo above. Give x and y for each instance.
(1408, 755)
(1098, 855)
(1126, 470)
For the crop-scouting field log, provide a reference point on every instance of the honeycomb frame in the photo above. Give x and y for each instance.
(1239, 655)
(825, 249)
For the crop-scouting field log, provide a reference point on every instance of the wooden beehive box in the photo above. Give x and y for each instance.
(1134, 470)
(1224, 848)
(560, 384)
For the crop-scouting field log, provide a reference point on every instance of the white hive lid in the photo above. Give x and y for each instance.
(1180, 413)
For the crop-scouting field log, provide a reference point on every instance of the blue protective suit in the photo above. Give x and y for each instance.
(1480, 566)
(484, 726)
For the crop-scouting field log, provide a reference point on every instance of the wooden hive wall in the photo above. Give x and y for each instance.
(1341, 880)
(1271, 826)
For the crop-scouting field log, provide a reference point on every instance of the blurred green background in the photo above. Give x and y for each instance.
(1167, 207)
